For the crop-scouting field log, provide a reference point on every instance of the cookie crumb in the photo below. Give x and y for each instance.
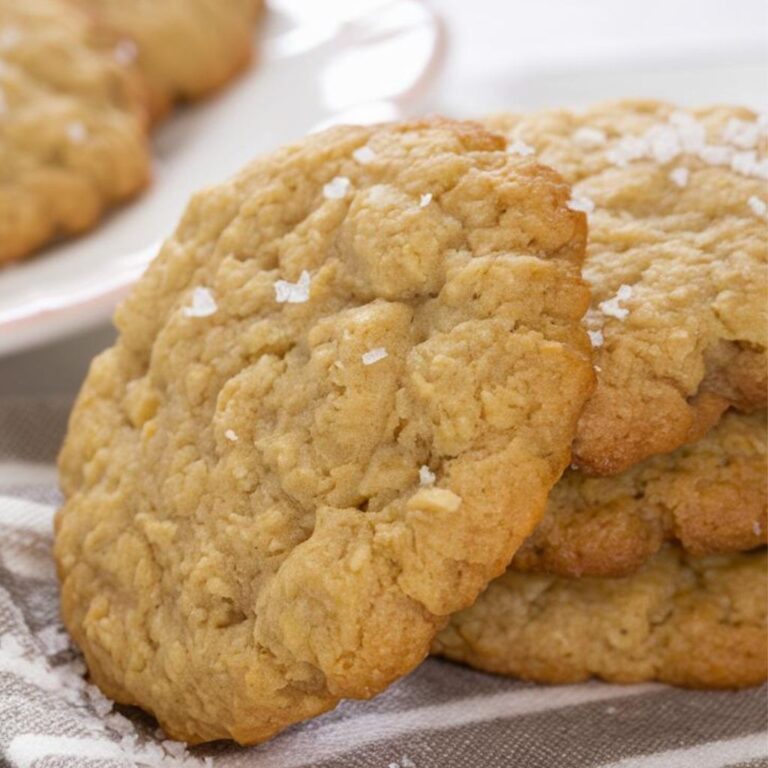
(230, 434)
(293, 293)
(588, 137)
(582, 204)
(77, 133)
(203, 303)
(3, 103)
(426, 475)
(611, 308)
(364, 155)
(519, 147)
(680, 177)
(757, 528)
(336, 188)
(596, 337)
(425, 200)
(610, 710)
(374, 355)
(406, 762)
(758, 206)
(125, 52)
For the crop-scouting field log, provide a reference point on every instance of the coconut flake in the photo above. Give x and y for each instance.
(756, 528)
(231, 435)
(336, 188)
(596, 337)
(203, 303)
(293, 293)
(77, 133)
(425, 200)
(582, 204)
(679, 177)
(364, 155)
(519, 147)
(758, 206)
(589, 138)
(426, 475)
(611, 307)
(374, 355)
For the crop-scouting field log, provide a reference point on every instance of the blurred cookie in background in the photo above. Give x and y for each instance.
(72, 126)
(184, 49)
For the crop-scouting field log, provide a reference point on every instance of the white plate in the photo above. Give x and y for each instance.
(316, 64)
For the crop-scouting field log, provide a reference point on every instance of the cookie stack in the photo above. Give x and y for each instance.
(345, 393)
(78, 86)
(649, 563)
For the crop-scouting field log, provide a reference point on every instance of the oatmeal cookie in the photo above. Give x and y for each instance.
(338, 401)
(710, 496)
(184, 49)
(72, 127)
(677, 260)
(693, 622)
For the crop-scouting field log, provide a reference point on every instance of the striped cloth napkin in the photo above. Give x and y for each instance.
(441, 715)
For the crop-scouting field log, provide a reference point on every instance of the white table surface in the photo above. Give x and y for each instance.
(511, 54)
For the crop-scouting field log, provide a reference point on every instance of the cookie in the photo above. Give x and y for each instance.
(693, 622)
(184, 49)
(72, 127)
(677, 260)
(288, 470)
(709, 496)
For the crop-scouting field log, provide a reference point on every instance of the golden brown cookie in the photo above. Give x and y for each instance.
(72, 139)
(677, 257)
(698, 623)
(710, 496)
(339, 398)
(183, 48)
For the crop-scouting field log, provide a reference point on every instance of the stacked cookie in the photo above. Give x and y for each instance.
(345, 392)
(77, 86)
(653, 570)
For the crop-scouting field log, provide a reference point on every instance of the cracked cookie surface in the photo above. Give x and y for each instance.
(184, 49)
(710, 496)
(72, 136)
(677, 260)
(339, 398)
(696, 623)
